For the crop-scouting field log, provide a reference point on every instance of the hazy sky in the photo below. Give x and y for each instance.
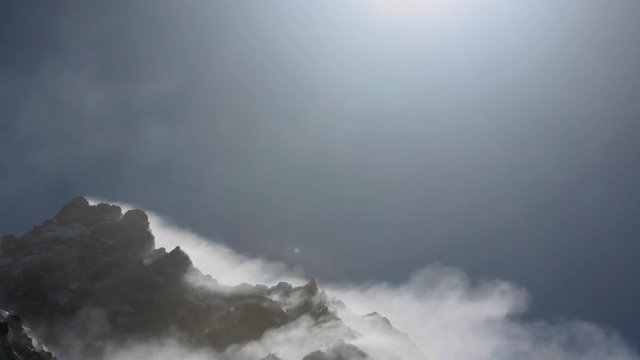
(497, 136)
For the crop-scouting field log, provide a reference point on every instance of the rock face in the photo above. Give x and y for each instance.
(15, 344)
(92, 274)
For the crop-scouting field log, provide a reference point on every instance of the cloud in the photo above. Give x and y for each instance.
(449, 317)
(439, 313)
(222, 263)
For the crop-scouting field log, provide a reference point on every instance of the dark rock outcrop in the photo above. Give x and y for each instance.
(15, 343)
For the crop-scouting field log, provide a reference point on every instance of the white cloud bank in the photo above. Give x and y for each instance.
(441, 311)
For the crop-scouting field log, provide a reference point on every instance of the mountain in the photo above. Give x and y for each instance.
(91, 279)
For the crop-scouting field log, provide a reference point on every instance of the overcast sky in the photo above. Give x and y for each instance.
(497, 136)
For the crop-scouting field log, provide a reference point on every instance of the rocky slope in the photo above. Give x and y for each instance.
(15, 343)
(91, 277)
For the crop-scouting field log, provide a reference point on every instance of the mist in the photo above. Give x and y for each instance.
(441, 312)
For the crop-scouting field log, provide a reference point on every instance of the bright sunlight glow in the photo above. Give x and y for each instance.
(406, 8)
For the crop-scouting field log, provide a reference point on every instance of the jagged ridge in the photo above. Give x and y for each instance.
(93, 264)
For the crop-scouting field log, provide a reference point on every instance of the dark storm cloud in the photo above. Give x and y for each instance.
(503, 143)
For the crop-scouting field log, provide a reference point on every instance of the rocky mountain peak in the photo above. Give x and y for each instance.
(174, 263)
(311, 287)
(79, 212)
(136, 218)
(92, 264)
